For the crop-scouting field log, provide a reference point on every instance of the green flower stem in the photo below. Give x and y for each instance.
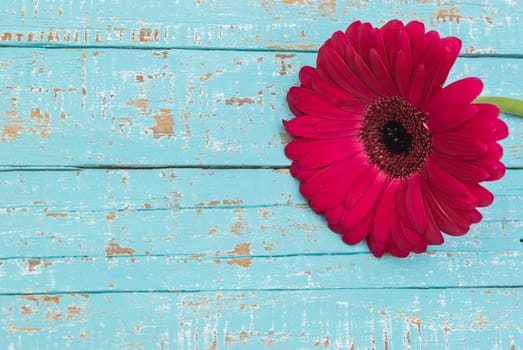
(505, 104)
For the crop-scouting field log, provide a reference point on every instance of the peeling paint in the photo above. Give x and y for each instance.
(244, 262)
(225, 202)
(164, 124)
(55, 299)
(11, 132)
(33, 264)
(239, 101)
(14, 329)
(240, 249)
(285, 138)
(114, 249)
(57, 215)
(450, 15)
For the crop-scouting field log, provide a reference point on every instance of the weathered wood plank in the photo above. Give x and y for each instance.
(336, 319)
(212, 231)
(489, 27)
(196, 213)
(112, 190)
(239, 271)
(176, 107)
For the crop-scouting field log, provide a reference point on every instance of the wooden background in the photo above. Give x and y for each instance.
(146, 201)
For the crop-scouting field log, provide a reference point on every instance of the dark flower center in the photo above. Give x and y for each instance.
(395, 136)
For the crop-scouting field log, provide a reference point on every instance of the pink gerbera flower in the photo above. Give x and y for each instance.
(382, 148)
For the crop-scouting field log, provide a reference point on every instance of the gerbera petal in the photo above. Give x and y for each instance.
(462, 170)
(314, 183)
(416, 240)
(330, 194)
(376, 248)
(333, 216)
(410, 204)
(305, 126)
(443, 181)
(364, 200)
(338, 125)
(301, 174)
(336, 228)
(402, 73)
(365, 39)
(385, 209)
(352, 32)
(484, 196)
(416, 32)
(307, 75)
(362, 182)
(365, 74)
(358, 231)
(330, 154)
(448, 117)
(501, 130)
(417, 86)
(394, 249)
(441, 59)
(382, 73)
(336, 97)
(462, 219)
(398, 234)
(460, 92)
(390, 32)
(298, 148)
(460, 202)
(305, 102)
(445, 222)
(458, 146)
(498, 173)
(332, 67)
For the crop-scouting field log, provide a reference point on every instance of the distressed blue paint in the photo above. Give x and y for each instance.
(486, 27)
(194, 212)
(136, 107)
(346, 319)
(244, 272)
(228, 258)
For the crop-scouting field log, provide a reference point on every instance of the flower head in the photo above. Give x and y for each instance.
(382, 148)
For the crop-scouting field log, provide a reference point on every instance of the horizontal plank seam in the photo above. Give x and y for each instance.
(210, 48)
(43, 168)
(268, 290)
(173, 208)
(182, 256)
(52, 168)
(190, 256)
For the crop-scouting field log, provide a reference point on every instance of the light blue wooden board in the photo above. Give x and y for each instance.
(177, 107)
(488, 26)
(336, 319)
(207, 232)
(197, 212)
(243, 272)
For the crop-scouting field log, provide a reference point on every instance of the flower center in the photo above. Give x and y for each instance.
(395, 136)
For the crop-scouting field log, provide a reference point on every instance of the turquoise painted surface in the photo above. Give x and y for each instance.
(488, 26)
(116, 232)
(171, 107)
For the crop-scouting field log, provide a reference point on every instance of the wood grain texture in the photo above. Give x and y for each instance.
(333, 319)
(199, 213)
(485, 27)
(146, 202)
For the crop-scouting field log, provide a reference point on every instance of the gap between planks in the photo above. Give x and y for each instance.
(218, 49)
